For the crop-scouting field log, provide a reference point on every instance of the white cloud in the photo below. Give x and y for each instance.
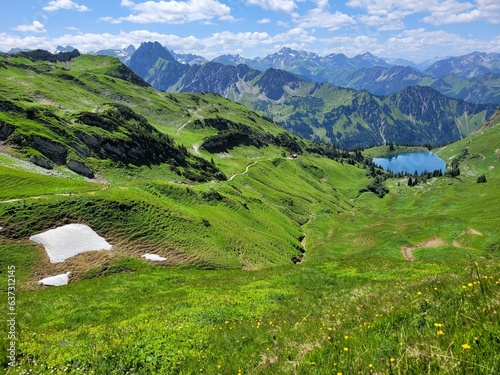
(320, 17)
(349, 45)
(490, 10)
(65, 4)
(173, 12)
(35, 27)
(390, 14)
(392, 21)
(415, 44)
(264, 21)
(286, 6)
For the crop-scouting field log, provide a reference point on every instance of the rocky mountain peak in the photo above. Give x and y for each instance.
(146, 56)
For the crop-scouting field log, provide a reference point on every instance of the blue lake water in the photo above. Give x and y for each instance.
(411, 162)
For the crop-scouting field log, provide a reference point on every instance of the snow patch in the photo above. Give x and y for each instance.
(154, 257)
(57, 280)
(70, 240)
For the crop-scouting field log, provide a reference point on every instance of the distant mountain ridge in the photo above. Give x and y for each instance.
(473, 77)
(387, 76)
(322, 111)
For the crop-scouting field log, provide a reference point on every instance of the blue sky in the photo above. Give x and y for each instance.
(412, 29)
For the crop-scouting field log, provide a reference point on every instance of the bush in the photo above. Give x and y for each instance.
(481, 179)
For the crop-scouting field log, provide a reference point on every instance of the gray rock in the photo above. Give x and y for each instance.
(80, 168)
(5, 130)
(53, 150)
(41, 162)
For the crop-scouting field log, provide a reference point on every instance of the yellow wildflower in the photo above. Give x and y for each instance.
(440, 333)
(346, 349)
(466, 346)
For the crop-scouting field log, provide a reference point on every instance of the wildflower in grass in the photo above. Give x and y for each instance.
(469, 285)
(392, 359)
(440, 333)
(346, 349)
(438, 325)
(346, 337)
(419, 293)
(466, 346)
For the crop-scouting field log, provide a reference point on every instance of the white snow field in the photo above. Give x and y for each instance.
(69, 240)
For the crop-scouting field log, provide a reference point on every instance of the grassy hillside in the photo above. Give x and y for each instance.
(283, 267)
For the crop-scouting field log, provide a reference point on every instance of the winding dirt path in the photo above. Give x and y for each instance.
(195, 115)
(245, 172)
(36, 197)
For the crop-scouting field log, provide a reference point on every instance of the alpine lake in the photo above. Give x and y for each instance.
(409, 162)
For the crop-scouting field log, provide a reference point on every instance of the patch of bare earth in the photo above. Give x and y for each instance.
(474, 232)
(407, 250)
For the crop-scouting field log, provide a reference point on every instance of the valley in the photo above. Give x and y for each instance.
(283, 255)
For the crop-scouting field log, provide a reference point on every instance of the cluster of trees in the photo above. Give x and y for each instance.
(423, 177)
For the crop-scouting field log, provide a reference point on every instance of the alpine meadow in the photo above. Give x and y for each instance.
(246, 238)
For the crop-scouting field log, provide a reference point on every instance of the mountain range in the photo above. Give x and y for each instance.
(473, 77)
(321, 111)
(349, 102)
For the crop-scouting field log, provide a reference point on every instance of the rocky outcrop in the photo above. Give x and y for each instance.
(53, 150)
(5, 130)
(80, 168)
(41, 162)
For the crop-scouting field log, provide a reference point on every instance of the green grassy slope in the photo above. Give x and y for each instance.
(352, 304)
(148, 194)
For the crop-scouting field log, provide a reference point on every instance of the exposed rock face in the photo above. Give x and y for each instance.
(145, 57)
(80, 168)
(144, 145)
(41, 162)
(5, 130)
(53, 150)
